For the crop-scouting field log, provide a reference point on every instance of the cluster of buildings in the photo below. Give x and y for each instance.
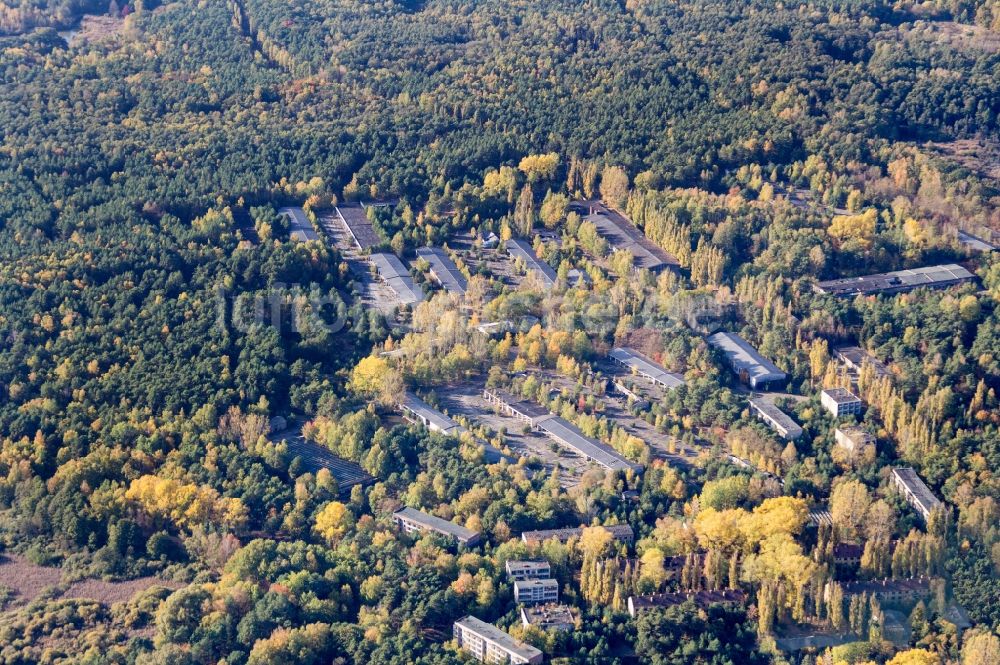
(533, 582)
(537, 593)
(534, 588)
(417, 411)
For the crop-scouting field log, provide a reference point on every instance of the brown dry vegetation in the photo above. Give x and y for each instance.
(96, 28)
(960, 35)
(979, 155)
(29, 580)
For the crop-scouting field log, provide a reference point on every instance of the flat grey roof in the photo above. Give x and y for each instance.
(855, 356)
(397, 276)
(436, 524)
(529, 565)
(645, 366)
(547, 615)
(522, 250)
(856, 433)
(620, 236)
(301, 228)
(744, 357)
(566, 433)
(444, 269)
(618, 531)
(897, 281)
(841, 395)
(702, 598)
(490, 632)
(886, 586)
(419, 407)
(973, 242)
(358, 225)
(917, 487)
(777, 418)
(525, 408)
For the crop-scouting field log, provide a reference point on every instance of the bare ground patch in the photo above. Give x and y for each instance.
(979, 155)
(95, 29)
(28, 581)
(961, 36)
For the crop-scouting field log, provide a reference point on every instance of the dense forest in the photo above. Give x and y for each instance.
(763, 145)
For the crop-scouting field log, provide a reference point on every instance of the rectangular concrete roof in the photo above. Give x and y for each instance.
(897, 281)
(547, 615)
(524, 585)
(525, 408)
(358, 225)
(917, 487)
(444, 269)
(841, 395)
(855, 357)
(620, 237)
(499, 637)
(300, 228)
(974, 242)
(564, 432)
(397, 276)
(701, 598)
(645, 366)
(522, 250)
(433, 523)
(776, 418)
(744, 357)
(617, 531)
(428, 413)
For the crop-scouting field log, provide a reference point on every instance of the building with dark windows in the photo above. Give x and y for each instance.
(488, 644)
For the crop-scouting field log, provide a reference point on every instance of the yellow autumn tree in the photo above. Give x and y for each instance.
(858, 230)
(375, 377)
(595, 541)
(719, 529)
(915, 657)
(333, 521)
(186, 505)
(782, 514)
(539, 167)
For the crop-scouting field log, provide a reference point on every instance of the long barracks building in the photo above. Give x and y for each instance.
(561, 431)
